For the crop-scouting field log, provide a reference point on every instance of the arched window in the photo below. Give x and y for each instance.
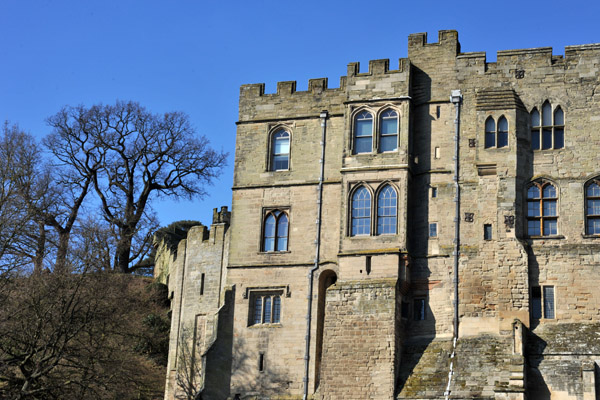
(592, 207)
(275, 231)
(361, 212)
(280, 151)
(388, 131)
(387, 206)
(490, 133)
(550, 133)
(542, 213)
(363, 133)
(496, 137)
(502, 140)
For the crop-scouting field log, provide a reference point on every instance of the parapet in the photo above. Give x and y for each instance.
(221, 217)
(447, 39)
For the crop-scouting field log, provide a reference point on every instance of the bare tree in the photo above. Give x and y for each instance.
(132, 156)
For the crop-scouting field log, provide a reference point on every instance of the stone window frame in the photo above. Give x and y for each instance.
(540, 304)
(265, 317)
(273, 211)
(380, 117)
(271, 147)
(547, 126)
(541, 184)
(588, 215)
(377, 115)
(495, 133)
(373, 208)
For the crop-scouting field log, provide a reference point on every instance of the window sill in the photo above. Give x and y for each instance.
(273, 325)
(274, 252)
(554, 237)
(590, 236)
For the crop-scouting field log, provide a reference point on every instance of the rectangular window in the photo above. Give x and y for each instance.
(549, 302)
(419, 310)
(265, 308)
(433, 229)
(487, 232)
(433, 192)
(404, 310)
(261, 362)
(542, 302)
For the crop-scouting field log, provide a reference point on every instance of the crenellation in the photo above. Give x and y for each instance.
(382, 313)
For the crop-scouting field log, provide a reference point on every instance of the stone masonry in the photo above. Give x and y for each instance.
(382, 282)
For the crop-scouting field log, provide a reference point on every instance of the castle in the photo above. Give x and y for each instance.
(428, 231)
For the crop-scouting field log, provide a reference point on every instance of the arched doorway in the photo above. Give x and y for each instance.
(326, 279)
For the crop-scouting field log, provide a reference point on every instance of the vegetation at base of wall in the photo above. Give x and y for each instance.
(82, 336)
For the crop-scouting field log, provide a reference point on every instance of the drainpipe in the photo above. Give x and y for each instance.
(323, 117)
(456, 99)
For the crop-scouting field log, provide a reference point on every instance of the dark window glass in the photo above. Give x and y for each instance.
(419, 312)
(592, 208)
(433, 229)
(536, 302)
(490, 133)
(502, 132)
(487, 232)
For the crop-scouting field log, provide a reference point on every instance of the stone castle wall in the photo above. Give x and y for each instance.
(367, 338)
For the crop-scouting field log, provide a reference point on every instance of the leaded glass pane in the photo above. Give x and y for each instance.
(276, 309)
(547, 114)
(593, 207)
(549, 208)
(549, 302)
(361, 212)
(257, 310)
(549, 191)
(533, 192)
(550, 227)
(593, 190)
(593, 226)
(433, 230)
(546, 139)
(533, 208)
(386, 211)
(535, 118)
(267, 318)
(281, 151)
(534, 228)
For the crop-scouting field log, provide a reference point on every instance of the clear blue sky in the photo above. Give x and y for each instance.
(192, 56)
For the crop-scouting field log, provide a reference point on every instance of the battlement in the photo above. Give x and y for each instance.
(445, 37)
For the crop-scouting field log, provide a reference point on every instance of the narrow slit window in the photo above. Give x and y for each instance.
(487, 232)
(261, 362)
(419, 310)
(549, 302)
(202, 284)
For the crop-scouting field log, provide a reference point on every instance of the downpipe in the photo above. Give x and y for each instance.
(456, 99)
(323, 117)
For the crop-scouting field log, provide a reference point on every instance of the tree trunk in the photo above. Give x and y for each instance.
(40, 249)
(62, 251)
